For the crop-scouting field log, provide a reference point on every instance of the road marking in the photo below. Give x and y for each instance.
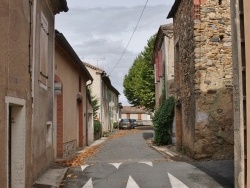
(132, 183)
(148, 163)
(175, 182)
(83, 167)
(116, 164)
(89, 184)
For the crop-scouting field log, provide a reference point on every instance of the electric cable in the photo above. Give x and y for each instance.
(124, 51)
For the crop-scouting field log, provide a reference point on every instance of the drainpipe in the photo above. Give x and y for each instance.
(32, 70)
(239, 154)
(86, 112)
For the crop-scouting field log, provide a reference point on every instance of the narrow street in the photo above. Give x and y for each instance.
(128, 162)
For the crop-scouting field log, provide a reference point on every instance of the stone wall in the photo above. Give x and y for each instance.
(184, 65)
(204, 70)
(69, 147)
(213, 81)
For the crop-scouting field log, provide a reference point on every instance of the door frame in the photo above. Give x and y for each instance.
(11, 103)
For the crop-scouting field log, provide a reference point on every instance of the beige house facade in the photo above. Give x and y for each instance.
(142, 116)
(71, 99)
(163, 60)
(241, 60)
(27, 84)
(107, 95)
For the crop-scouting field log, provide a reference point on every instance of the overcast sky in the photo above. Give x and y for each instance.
(99, 30)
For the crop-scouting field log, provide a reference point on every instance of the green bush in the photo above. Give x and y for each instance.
(163, 121)
(115, 125)
(105, 134)
(97, 126)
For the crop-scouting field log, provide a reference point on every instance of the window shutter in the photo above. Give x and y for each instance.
(157, 69)
(160, 63)
(44, 44)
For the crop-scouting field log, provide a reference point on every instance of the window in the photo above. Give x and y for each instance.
(177, 52)
(44, 58)
(49, 134)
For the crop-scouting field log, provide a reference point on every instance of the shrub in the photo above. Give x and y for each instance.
(97, 126)
(105, 134)
(115, 125)
(163, 121)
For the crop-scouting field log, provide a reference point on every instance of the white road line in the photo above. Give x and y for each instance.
(132, 183)
(148, 163)
(175, 182)
(89, 184)
(83, 167)
(116, 164)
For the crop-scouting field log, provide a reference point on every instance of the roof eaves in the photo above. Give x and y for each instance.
(174, 9)
(59, 6)
(107, 81)
(163, 30)
(93, 67)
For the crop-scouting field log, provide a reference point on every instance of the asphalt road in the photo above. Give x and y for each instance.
(128, 162)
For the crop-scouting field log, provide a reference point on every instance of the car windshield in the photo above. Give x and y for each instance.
(125, 120)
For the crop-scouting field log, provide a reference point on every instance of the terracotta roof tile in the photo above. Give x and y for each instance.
(132, 110)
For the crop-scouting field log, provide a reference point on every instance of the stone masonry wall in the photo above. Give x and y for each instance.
(213, 82)
(184, 67)
(203, 79)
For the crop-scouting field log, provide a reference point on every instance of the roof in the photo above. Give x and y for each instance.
(164, 30)
(62, 43)
(93, 67)
(59, 6)
(174, 9)
(132, 110)
(104, 76)
(107, 81)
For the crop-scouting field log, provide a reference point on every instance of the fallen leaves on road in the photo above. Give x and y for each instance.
(79, 159)
(122, 133)
(91, 151)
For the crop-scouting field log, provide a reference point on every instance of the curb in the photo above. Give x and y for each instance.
(169, 154)
(53, 177)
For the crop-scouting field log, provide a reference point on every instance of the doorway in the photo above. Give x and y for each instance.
(16, 143)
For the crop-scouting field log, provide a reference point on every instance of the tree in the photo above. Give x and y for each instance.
(94, 103)
(139, 82)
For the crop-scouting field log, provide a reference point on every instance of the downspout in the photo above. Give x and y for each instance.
(32, 71)
(87, 117)
(30, 45)
(239, 154)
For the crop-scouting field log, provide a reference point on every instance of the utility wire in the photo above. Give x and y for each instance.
(124, 51)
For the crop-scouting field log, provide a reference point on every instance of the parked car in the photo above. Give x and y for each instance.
(126, 124)
(134, 123)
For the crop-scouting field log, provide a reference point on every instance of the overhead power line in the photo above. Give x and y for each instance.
(124, 51)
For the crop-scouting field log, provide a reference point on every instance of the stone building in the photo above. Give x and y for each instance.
(71, 119)
(241, 60)
(27, 88)
(203, 78)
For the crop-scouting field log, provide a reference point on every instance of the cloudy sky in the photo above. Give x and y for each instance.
(99, 31)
